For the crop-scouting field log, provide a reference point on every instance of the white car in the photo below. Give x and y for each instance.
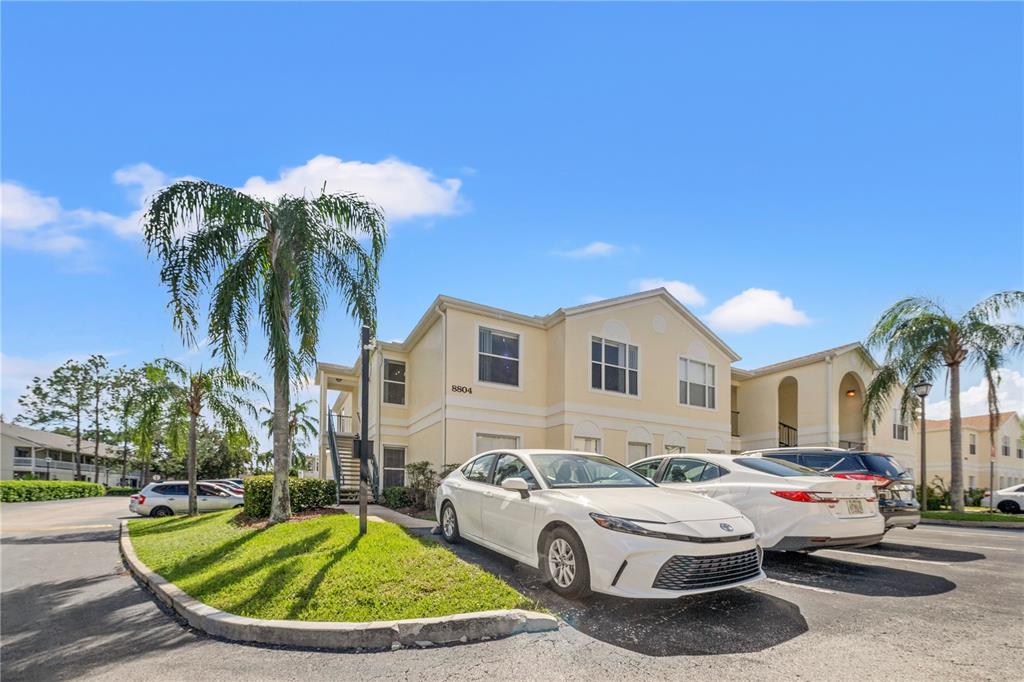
(1008, 500)
(792, 507)
(171, 497)
(590, 524)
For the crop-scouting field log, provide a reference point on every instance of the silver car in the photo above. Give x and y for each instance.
(171, 497)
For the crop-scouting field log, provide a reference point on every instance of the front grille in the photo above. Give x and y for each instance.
(700, 572)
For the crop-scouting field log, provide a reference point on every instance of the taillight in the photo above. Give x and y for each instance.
(804, 496)
(880, 481)
(142, 499)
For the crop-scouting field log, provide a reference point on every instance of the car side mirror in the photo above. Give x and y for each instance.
(518, 484)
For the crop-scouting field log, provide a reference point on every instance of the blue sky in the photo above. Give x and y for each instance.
(831, 158)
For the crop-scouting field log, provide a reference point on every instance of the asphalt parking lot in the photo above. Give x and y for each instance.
(925, 604)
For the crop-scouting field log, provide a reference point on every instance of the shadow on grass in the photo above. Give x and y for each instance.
(172, 524)
(309, 592)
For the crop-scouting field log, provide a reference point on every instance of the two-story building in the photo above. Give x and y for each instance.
(981, 464)
(47, 455)
(626, 377)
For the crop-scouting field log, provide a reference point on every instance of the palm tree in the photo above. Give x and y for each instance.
(280, 257)
(920, 338)
(302, 428)
(186, 394)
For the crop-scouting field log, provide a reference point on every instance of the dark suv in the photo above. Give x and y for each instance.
(897, 498)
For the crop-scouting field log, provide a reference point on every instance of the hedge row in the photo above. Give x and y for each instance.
(304, 493)
(121, 491)
(34, 491)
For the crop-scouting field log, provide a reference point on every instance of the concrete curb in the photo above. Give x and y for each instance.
(1015, 525)
(381, 634)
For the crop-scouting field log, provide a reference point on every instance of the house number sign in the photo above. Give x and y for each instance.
(461, 389)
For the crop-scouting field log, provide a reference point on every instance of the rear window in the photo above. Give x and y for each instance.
(821, 461)
(883, 464)
(776, 467)
(842, 464)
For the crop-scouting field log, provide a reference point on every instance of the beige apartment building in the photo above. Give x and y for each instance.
(981, 463)
(627, 377)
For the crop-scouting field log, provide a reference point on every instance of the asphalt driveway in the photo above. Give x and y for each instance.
(927, 603)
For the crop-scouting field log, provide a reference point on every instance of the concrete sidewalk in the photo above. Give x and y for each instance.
(376, 512)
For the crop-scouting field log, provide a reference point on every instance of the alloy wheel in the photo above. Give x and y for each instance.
(561, 563)
(448, 522)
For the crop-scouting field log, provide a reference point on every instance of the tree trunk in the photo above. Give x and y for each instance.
(280, 504)
(124, 460)
(956, 463)
(96, 440)
(193, 504)
(78, 444)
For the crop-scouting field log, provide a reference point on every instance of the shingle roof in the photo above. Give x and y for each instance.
(979, 422)
(55, 441)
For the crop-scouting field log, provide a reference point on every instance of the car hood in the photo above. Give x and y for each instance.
(651, 504)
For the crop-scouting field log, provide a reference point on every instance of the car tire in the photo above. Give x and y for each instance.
(159, 512)
(564, 564)
(1008, 507)
(450, 524)
(238, 506)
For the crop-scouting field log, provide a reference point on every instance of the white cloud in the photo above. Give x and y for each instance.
(403, 190)
(755, 308)
(30, 220)
(16, 373)
(974, 400)
(591, 250)
(683, 292)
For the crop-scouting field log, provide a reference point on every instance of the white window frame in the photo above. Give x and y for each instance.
(496, 434)
(674, 449)
(598, 450)
(898, 424)
(647, 450)
(972, 444)
(1006, 446)
(383, 460)
(385, 381)
(518, 386)
(590, 367)
(679, 379)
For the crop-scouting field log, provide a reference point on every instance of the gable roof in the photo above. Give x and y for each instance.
(809, 359)
(54, 441)
(442, 303)
(978, 422)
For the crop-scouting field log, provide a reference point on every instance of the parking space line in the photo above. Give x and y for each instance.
(922, 542)
(802, 587)
(887, 558)
(1008, 534)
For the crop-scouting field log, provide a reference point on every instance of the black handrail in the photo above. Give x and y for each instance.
(332, 443)
(787, 436)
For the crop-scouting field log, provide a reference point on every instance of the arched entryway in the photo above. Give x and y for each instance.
(851, 412)
(788, 421)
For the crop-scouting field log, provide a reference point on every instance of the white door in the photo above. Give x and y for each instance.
(508, 516)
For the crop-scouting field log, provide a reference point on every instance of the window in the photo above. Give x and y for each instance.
(394, 382)
(479, 469)
(614, 366)
(586, 471)
(1020, 453)
(394, 466)
(489, 441)
(23, 452)
(900, 431)
(637, 451)
(210, 490)
(499, 357)
(584, 444)
(648, 469)
(696, 383)
(510, 466)
(775, 467)
(824, 461)
(711, 472)
(972, 447)
(674, 449)
(682, 470)
(1006, 446)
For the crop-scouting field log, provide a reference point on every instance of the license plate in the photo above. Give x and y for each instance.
(855, 506)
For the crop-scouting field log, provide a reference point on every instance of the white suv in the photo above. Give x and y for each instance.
(171, 497)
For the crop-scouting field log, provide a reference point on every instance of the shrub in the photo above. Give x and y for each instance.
(422, 484)
(34, 491)
(121, 491)
(396, 497)
(304, 493)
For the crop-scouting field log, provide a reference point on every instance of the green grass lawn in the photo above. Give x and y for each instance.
(316, 569)
(973, 516)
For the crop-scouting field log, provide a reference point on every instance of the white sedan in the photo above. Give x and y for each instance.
(590, 524)
(1008, 500)
(793, 508)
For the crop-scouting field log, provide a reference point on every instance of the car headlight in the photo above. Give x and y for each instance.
(626, 526)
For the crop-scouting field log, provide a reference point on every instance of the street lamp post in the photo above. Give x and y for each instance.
(922, 390)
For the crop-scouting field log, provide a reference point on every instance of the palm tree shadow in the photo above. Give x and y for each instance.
(305, 597)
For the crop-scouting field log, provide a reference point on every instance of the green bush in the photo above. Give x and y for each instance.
(121, 491)
(34, 491)
(396, 497)
(304, 493)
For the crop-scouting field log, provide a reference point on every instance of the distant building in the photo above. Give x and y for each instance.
(51, 456)
(1006, 464)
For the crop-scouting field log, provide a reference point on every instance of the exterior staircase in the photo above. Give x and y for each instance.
(343, 452)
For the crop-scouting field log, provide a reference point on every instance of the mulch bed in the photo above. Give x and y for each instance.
(250, 522)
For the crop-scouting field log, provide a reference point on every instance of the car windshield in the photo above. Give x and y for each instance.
(776, 467)
(583, 471)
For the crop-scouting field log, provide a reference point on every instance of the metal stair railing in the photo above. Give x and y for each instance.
(332, 443)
